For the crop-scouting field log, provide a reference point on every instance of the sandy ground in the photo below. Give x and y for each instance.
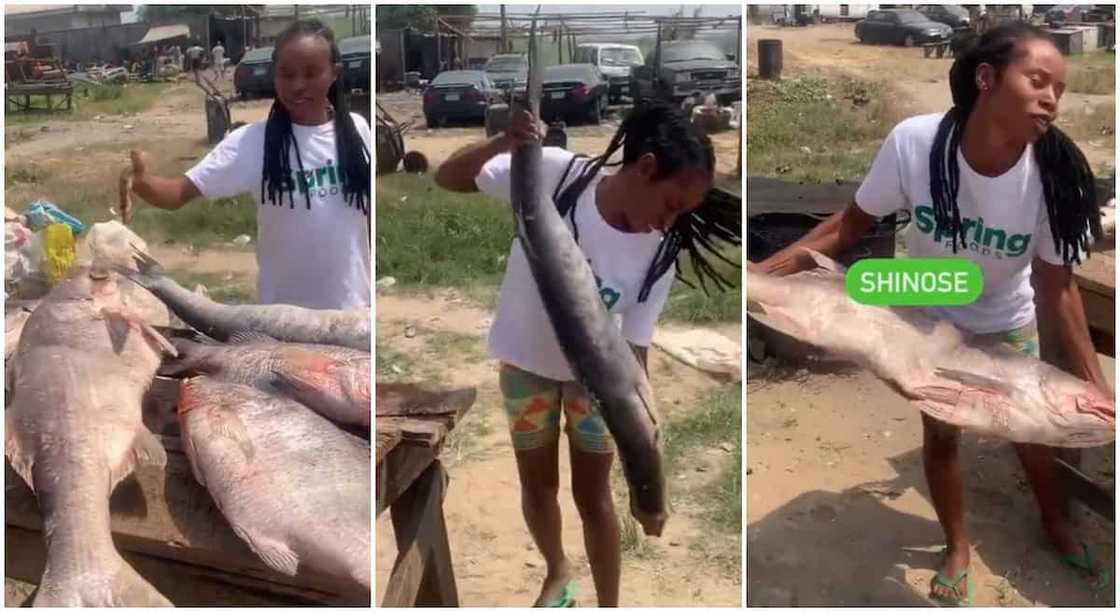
(922, 84)
(494, 558)
(438, 144)
(834, 464)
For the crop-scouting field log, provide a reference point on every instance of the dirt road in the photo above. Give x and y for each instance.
(920, 85)
(838, 512)
(494, 558)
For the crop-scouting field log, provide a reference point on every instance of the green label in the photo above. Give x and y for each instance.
(918, 281)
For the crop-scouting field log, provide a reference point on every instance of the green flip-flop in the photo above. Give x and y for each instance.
(1087, 563)
(567, 599)
(954, 586)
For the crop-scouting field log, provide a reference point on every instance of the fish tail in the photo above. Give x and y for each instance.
(110, 585)
(190, 360)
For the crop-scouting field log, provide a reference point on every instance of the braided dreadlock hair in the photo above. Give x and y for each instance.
(279, 142)
(661, 129)
(1067, 180)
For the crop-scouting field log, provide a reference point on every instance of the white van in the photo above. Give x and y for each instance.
(614, 61)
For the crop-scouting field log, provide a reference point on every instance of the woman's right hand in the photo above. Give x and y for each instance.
(524, 128)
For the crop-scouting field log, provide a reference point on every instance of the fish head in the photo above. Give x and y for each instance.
(652, 521)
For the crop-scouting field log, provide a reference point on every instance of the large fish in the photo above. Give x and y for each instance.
(292, 485)
(283, 322)
(74, 430)
(332, 380)
(981, 386)
(590, 339)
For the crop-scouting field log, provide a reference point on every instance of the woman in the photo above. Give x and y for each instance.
(631, 225)
(992, 180)
(309, 166)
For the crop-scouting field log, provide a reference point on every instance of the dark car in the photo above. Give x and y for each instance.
(903, 27)
(253, 76)
(687, 68)
(952, 15)
(508, 70)
(571, 90)
(458, 94)
(355, 56)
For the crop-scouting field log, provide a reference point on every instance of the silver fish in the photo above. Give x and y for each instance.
(293, 486)
(591, 341)
(74, 430)
(350, 328)
(331, 380)
(947, 373)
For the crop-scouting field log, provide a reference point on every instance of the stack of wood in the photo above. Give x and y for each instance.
(36, 72)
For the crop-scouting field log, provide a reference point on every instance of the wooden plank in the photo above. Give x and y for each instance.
(404, 399)
(184, 584)
(399, 470)
(422, 575)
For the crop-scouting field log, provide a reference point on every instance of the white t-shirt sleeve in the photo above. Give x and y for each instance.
(363, 127)
(639, 322)
(228, 169)
(881, 192)
(493, 178)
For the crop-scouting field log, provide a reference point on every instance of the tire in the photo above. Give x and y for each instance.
(432, 121)
(908, 41)
(595, 115)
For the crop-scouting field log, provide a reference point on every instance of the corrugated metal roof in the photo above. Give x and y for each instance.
(166, 32)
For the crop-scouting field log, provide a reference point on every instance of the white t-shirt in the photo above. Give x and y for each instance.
(522, 334)
(1004, 218)
(317, 257)
(219, 55)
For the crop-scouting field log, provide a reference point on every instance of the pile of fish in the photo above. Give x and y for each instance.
(591, 341)
(274, 414)
(984, 387)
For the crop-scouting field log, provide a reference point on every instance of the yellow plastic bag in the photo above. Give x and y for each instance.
(58, 252)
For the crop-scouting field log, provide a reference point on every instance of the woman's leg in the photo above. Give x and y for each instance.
(940, 458)
(592, 453)
(1038, 463)
(533, 406)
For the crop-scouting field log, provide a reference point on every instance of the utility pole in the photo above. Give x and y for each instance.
(502, 30)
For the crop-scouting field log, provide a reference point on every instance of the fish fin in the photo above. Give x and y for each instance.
(192, 458)
(251, 337)
(157, 340)
(274, 553)
(824, 261)
(111, 583)
(975, 380)
(20, 461)
(148, 449)
(778, 323)
(225, 423)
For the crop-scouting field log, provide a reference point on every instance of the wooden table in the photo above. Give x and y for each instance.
(412, 424)
(167, 527)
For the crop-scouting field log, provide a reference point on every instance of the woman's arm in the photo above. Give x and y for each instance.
(831, 237)
(458, 172)
(1059, 300)
(165, 193)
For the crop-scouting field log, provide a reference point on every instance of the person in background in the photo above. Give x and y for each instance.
(219, 56)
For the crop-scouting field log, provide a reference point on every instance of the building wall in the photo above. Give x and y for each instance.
(15, 24)
(105, 43)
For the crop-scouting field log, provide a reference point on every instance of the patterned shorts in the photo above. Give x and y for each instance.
(1023, 339)
(534, 403)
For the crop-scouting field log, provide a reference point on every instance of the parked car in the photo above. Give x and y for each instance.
(901, 26)
(1099, 14)
(571, 90)
(508, 70)
(1065, 13)
(355, 56)
(614, 61)
(458, 94)
(253, 76)
(952, 15)
(687, 67)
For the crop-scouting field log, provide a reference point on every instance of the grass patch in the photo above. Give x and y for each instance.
(233, 291)
(428, 237)
(692, 305)
(85, 188)
(89, 102)
(1094, 123)
(718, 421)
(1091, 73)
(392, 365)
(440, 342)
(811, 128)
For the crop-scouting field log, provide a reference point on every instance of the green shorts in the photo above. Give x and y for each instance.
(534, 403)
